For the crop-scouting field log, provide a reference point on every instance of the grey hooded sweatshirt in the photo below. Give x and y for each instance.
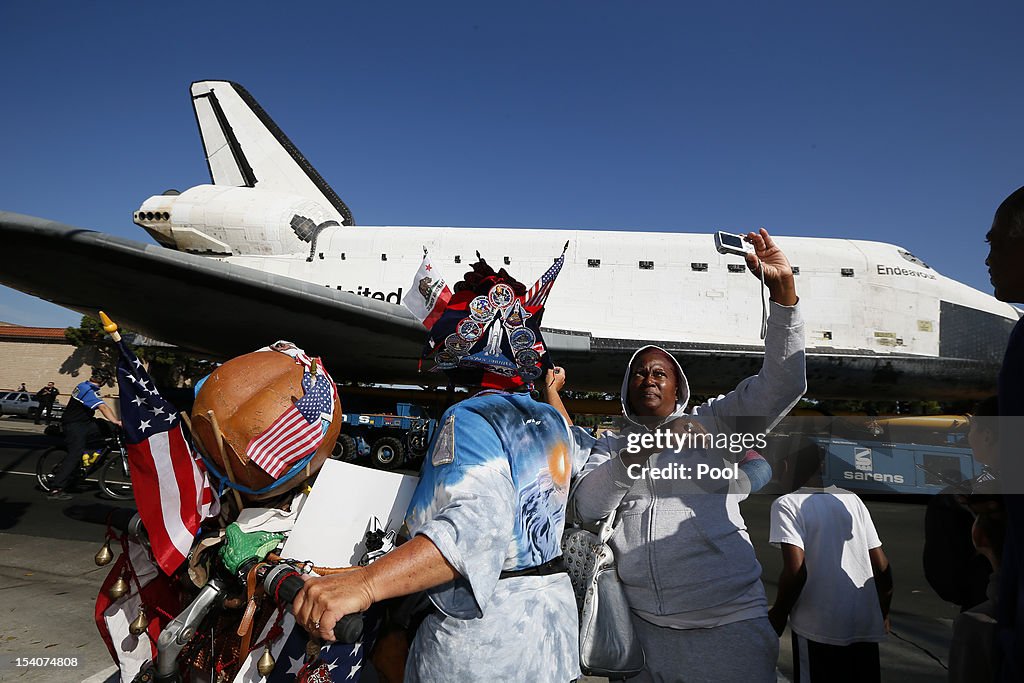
(681, 546)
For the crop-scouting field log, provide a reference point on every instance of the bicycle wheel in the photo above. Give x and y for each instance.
(115, 481)
(47, 466)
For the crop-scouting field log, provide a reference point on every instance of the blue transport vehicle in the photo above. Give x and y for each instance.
(908, 454)
(884, 467)
(388, 440)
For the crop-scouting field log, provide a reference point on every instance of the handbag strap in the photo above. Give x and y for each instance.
(606, 527)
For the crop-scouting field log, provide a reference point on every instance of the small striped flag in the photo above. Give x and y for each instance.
(300, 429)
(538, 294)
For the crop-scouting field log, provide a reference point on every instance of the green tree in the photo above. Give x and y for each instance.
(169, 367)
(89, 333)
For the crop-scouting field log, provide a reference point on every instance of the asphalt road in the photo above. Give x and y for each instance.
(49, 580)
(24, 509)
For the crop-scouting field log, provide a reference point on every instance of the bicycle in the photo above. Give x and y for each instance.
(106, 457)
(193, 631)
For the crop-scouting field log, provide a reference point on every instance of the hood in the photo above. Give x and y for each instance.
(682, 390)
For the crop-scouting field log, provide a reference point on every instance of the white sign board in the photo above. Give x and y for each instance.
(340, 510)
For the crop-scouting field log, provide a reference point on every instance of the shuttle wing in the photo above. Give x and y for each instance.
(205, 305)
(219, 309)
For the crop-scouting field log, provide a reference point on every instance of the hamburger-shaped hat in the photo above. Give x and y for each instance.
(279, 413)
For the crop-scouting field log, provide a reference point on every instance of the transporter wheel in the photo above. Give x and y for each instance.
(387, 453)
(47, 466)
(346, 449)
(115, 480)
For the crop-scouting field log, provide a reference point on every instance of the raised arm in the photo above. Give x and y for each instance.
(549, 389)
(782, 380)
(778, 274)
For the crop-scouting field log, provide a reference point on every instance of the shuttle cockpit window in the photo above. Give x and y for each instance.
(913, 259)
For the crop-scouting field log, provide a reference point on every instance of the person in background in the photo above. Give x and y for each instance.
(972, 652)
(80, 428)
(835, 587)
(46, 396)
(1005, 256)
(952, 566)
(22, 387)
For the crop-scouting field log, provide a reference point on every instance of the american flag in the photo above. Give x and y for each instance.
(538, 294)
(300, 429)
(334, 662)
(159, 593)
(171, 486)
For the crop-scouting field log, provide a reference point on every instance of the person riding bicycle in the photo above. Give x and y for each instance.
(80, 428)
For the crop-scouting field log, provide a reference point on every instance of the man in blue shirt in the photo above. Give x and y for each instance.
(486, 519)
(80, 428)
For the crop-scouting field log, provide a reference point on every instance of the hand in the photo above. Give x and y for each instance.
(887, 624)
(326, 599)
(685, 424)
(778, 620)
(555, 379)
(778, 274)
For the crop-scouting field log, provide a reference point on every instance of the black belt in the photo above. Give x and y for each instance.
(555, 566)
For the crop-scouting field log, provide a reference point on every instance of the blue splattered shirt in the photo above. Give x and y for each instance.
(492, 497)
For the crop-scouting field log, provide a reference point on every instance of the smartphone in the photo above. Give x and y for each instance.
(728, 243)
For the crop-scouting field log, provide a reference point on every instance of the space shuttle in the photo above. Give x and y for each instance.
(268, 250)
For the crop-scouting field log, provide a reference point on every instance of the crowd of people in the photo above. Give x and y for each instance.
(506, 472)
(487, 554)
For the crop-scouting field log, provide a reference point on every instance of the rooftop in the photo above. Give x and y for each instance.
(17, 333)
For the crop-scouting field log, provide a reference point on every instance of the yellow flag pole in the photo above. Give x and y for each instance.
(110, 327)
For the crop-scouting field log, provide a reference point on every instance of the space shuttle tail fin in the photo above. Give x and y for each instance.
(245, 148)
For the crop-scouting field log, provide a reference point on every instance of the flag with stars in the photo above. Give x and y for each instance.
(171, 487)
(538, 294)
(300, 429)
(333, 663)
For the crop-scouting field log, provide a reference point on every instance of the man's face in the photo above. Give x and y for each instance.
(983, 443)
(1005, 262)
(652, 385)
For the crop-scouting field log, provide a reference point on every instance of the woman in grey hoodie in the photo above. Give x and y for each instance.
(681, 545)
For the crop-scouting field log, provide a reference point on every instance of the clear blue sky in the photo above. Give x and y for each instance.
(898, 122)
